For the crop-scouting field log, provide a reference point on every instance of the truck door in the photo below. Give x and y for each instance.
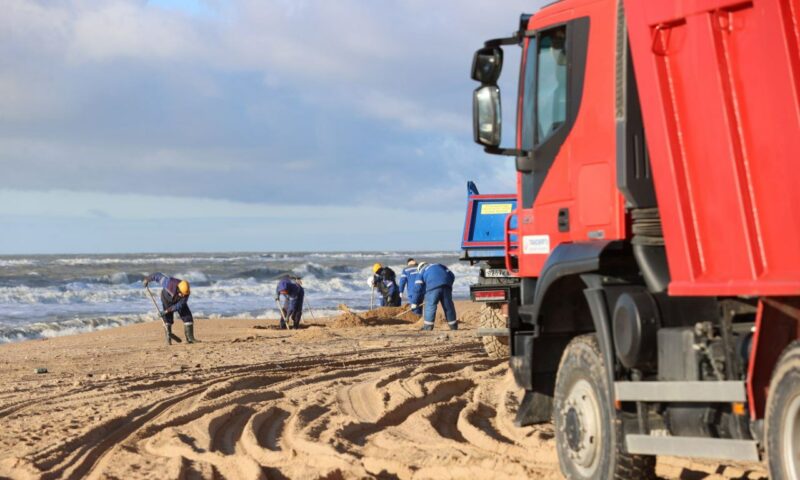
(543, 126)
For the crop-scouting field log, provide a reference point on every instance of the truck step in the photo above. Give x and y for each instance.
(741, 450)
(492, 332)
(729, 391)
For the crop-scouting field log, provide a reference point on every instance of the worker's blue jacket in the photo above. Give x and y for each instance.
(432, 276)
(292, 289)
(408, 277)
(170, 287)
(294, 295)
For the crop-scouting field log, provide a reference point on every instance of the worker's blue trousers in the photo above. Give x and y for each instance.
(443, 295)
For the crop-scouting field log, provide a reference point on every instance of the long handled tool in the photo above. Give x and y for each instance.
(283, 316)
(403, 312)
(372, 298)
(310, 310)
(160, 315)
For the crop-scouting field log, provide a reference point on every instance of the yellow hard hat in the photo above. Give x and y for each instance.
(183, 287)
(376, 267)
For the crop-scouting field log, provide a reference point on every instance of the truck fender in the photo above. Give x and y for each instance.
(598, 305)
(578, 260)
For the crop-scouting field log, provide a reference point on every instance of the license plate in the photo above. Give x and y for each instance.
(496, 273)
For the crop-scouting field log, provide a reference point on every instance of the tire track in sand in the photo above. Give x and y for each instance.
(411, 406)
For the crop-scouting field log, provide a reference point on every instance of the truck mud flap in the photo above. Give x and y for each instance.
(537, 404)
(521, 361)
(535, 408)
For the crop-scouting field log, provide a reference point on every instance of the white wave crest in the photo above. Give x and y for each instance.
(21, 262)
(61, 328)
(71, 293)
(194, 277)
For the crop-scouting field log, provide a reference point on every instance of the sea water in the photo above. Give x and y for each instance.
(51, 295)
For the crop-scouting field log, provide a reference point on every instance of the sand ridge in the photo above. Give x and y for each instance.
(377, 401)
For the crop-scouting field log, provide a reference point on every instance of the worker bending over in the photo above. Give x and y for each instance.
(174, 298)
(408, 278)
(292, 306)
(435, 285)
(383, 278)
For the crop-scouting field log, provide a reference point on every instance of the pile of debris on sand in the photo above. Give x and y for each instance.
(374, 317)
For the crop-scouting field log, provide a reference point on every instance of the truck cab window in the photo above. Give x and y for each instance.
(551, 91)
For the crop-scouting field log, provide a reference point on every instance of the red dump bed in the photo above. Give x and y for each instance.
(720, 89)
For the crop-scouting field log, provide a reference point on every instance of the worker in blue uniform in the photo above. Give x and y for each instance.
(174, 298)
(292, 306)
(408, 278)
(435, 282)
(384, 279)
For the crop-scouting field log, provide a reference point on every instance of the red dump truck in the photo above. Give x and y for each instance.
(656, 233)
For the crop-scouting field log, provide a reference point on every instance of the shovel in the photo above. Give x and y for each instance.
(403, 312)
(171, 335)
(283, 317)
(372, 298)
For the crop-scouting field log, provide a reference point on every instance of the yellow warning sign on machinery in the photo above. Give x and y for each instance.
(495, 208)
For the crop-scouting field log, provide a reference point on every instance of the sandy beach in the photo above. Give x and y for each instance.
(332, 400)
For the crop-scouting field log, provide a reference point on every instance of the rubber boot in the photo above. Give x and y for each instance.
(188, 330)
(453, 326)
(427, 327)
(168, 329)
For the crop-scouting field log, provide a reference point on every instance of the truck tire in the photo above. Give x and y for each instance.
(495, 347)
(588, 432)
(783, 416)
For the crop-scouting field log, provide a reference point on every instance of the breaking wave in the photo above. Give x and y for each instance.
(59, 328)
(13, 262)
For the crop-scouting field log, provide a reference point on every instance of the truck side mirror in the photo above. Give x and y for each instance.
(487, 65)
(486, 115)
(486, 112)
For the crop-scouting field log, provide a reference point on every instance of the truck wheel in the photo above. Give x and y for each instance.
(496, 347)
(588, 437)
(783, 417)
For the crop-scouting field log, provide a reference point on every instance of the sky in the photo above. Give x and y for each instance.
(243, 125)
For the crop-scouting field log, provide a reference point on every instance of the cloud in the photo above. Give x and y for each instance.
(409, 114)
(404, 54)
(120, 30)
(193, 7)
(280, 102)
(92, 222)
